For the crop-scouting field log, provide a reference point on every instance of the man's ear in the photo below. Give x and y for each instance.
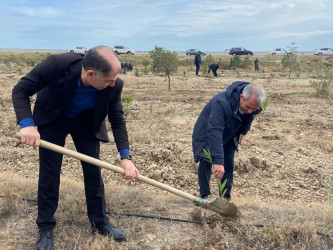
(90, 74)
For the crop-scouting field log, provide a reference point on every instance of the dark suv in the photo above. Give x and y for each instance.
(240, 51)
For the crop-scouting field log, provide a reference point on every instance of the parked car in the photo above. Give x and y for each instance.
(78, 49)
(122, 50)
(278, 52)
(324, 52)
(192, 52)
(240, 51)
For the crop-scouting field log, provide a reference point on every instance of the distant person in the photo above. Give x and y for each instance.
(126, 66)
(230, 64)
(197, 62)
(75, 93)
(214, 66)
(256, 64)
(221, 126)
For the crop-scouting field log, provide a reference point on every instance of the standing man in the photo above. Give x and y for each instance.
(222, 124)
(75, 93)
(197, 62)
(256, 64)
(213, 67)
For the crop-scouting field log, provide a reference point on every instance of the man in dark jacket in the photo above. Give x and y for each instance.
(256, 64)
(126, 66)
(222, 124)
(75, 93)
(197, 62)
(214, 66)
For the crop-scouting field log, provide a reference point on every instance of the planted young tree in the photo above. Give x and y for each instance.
(164, 61)
(265, 103)
(246, 63)
(145, 64)
(136, 72)
(126, 102)
(208, 157)
(289, 60)
(236, 62)
(325, 78)
(208, 61)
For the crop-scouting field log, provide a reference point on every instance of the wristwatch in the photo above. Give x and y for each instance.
(128, 157)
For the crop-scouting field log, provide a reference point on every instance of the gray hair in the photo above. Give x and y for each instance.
(255, 89)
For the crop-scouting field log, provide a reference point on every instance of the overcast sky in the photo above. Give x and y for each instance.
(175, 25)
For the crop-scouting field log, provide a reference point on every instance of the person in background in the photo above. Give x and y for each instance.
(220, 127)
(214, 66)
(126, 66)
(197, 62)
(256, 64)
(75, 93)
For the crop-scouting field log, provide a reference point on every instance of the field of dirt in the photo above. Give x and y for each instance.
(286, 157)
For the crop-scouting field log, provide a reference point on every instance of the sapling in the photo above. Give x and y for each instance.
(136, 72)
(206, 155)
(329, 191)
(265, 103)
(126, 101)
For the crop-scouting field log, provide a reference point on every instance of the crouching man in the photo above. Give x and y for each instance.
(221, 126)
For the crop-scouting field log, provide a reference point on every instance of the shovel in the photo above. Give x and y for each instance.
(219, 205)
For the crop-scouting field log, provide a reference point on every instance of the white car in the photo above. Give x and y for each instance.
(78, 49)
(278, 52)
(123, 50)
(324, 52)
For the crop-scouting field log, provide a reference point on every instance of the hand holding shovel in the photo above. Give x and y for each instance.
(219, 205)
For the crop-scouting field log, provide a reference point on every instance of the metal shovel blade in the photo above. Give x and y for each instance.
(219, 205)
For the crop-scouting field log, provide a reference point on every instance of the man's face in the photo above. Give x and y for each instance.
(248, 106)
(101, 82)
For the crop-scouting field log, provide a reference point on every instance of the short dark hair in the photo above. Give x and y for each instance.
(93, 60)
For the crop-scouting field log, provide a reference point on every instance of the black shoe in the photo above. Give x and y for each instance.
(44, 241)
(111, 231)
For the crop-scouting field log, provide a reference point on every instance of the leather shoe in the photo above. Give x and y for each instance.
(44, 241)
(111, 231)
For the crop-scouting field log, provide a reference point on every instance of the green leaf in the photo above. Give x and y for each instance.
(222, 188)
(207, 156)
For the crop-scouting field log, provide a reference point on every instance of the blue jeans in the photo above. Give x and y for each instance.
(205, 171)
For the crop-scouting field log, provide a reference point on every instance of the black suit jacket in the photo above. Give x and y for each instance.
(55, 80)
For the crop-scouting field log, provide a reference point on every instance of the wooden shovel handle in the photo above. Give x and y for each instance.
(111, 167)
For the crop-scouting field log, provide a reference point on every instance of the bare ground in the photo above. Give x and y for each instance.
(281, 171)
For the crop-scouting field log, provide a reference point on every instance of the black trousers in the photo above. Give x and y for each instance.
(80, 128)
(214, 72)
(197, 68)
(205, 171)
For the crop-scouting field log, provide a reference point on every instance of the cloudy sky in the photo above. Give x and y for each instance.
(176, 25)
